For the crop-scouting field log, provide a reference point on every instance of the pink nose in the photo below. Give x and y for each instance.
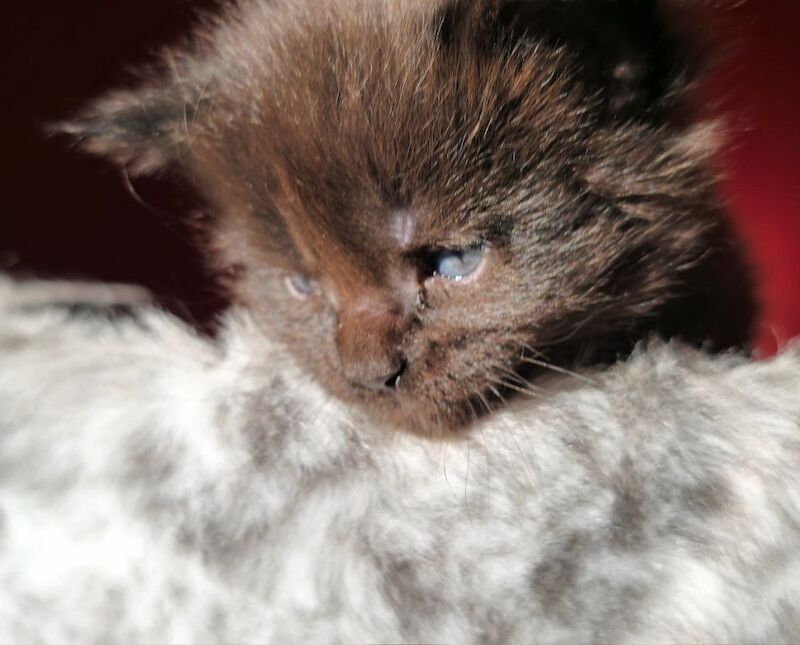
(367, 341)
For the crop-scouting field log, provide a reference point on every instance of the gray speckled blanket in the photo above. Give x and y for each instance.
(156, 486)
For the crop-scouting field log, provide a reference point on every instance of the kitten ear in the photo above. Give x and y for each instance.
(142, 130)
(626, 50)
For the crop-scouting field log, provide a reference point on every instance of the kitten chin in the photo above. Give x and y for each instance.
(432, 203)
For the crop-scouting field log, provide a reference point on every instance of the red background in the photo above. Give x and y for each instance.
(760, 88)
(63, 214)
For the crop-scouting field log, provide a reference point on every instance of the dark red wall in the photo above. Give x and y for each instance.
(63, 214)
(760, 87)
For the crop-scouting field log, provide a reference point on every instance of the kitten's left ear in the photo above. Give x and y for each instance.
(628, 51)
(142, 129)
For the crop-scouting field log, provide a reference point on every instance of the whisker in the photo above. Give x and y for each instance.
(445, 446)
(531, 349)
(474, 413)
(549, 366)
(525, 463)
(494, 390)
(487, 406)
(519, 379)
(466, 480)
(517, 388)
(559, 370)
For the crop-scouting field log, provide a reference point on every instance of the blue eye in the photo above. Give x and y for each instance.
(300, 286)
(457, 264)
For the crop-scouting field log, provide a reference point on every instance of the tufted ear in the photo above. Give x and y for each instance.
(142, 129)
(625, 50)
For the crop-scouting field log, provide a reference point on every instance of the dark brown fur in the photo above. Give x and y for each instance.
(348, 140)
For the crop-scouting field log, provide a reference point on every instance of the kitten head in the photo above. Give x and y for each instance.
(429, 200)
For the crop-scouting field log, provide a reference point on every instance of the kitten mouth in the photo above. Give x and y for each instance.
(411, 401)
(384, 386)
(393, 382)
(409, 406)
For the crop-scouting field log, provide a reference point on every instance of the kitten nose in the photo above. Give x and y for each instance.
(367, 343)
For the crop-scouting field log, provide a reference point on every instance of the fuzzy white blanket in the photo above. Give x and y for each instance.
(159, 487)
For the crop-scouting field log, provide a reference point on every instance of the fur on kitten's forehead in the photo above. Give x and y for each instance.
(394, 104)
(391, 98)
(350, 141)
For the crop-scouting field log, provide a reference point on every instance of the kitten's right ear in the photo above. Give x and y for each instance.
(629, 53)
(142, 130)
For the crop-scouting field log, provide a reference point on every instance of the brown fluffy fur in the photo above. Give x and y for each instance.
(555, 132)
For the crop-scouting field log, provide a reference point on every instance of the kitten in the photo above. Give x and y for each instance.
(430, 201)
(424, 198)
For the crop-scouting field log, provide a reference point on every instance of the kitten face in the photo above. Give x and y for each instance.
(428, 201)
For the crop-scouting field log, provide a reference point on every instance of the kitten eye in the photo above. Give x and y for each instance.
(300, 286)
(457, 264)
